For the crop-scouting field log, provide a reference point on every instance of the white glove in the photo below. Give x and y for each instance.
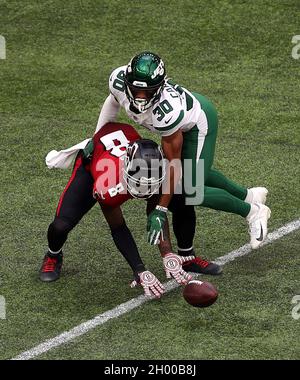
(173, 267)
(151, 285)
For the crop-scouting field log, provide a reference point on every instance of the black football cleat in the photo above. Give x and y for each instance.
(199, 265)
(51, 267)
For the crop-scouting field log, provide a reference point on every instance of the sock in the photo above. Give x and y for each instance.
(218, 179)
(253, 210)
(249, 196)
(57, 235)
(52, 253)
(219, 199)
(184, 225)
(186, 251)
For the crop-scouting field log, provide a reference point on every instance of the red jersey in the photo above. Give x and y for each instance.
(106, 166)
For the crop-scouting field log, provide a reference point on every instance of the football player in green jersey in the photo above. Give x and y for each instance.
(187, 123)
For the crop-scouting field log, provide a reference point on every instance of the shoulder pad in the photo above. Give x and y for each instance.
(171, 125)
(116, 81)
(168, 112)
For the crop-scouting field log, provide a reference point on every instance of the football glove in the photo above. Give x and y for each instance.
(173, 267)
(155, 225)
(87, 152)
(151, 285)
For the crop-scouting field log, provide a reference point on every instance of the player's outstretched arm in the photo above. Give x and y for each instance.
(125, 243)
(123, 238)
(109, 112)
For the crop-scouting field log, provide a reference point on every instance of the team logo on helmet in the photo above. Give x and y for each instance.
(159, 70)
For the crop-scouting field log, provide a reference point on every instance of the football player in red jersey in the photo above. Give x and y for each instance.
(100, 178)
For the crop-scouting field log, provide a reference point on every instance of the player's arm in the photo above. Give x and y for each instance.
(125, 243)
(111, 105)
(123, 238)
(108, 112)
(172, 146)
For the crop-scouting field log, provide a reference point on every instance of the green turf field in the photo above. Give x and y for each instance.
(52, 83)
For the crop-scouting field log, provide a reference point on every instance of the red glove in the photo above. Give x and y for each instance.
(151, 285)
(173, 267)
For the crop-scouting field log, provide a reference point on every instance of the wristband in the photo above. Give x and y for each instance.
(161, 208)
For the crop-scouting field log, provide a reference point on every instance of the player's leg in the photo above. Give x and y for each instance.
(75, 201)
(253, 195)
(213, 177)
(217, 179)
(184, 226)
(198, 145)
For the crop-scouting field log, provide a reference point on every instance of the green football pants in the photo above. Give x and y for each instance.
(220, 193)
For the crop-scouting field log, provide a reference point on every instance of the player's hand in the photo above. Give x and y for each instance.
(87, 152)
(155, 225)
(151, 285)
(173, 267)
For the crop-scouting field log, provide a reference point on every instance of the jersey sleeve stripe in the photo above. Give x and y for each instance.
(176, 122)
(189, 101)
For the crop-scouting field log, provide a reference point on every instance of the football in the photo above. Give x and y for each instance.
(200, 293)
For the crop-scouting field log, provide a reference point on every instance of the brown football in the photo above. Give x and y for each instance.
(200, 293)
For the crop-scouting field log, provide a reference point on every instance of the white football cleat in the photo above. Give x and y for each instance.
(258, 224)
(257, 195)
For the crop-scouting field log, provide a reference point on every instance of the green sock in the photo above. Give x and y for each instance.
(217, 179)
(219, 199)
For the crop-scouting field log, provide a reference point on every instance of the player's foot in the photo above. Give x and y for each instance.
(199, 265)
(258, 224)
(257, 195)
(51, 267)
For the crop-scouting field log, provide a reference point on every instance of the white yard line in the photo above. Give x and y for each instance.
(125, 307)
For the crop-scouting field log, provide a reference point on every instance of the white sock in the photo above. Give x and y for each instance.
(185, 249)
(54, 253)
(253, 210)
(249, 196)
